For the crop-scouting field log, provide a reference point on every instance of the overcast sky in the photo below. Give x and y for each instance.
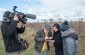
(44, 9)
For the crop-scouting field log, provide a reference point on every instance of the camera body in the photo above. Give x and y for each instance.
(22, 17)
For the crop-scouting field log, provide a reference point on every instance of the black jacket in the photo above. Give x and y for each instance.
(10, 32)
(58, 39)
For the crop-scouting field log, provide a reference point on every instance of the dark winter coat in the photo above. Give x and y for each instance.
(57, 37)
(58, 40)
(70, 42)
(39, 39)
(10, 31)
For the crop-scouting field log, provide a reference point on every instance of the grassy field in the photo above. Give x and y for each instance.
(29, 36)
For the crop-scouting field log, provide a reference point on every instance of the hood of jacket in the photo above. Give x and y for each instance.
(70, 32)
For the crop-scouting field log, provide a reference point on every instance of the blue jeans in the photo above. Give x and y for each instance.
(41, 53)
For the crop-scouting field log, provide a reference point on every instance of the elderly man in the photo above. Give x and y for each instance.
(41, 39)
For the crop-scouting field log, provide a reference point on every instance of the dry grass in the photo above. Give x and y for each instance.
(29, 36)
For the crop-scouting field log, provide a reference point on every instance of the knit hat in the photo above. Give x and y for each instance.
(6, 16)
(48, 27)
(64, 26)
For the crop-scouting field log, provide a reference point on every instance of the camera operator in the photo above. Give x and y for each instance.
(10, 33)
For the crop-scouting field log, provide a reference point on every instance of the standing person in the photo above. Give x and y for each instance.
(70, 39)
(10, 32)
(57, 39)
(41, 39)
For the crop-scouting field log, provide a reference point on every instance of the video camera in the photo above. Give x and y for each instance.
(22, 17)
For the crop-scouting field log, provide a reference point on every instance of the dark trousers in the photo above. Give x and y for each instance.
(58, 51)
